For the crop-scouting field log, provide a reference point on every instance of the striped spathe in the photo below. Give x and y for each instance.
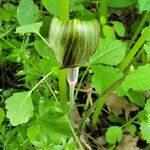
(73, 41)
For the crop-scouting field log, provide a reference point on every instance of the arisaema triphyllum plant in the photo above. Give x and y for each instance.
(73, 42)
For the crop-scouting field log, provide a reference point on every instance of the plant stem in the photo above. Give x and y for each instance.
(138, 30)
(64, 10)
(72, 77)
(135, 49)
(64, 16)
(103, 9)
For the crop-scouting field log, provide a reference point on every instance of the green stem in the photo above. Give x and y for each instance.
(64, 10)
(64, 16)
(63, 89)
(134, 118)
(138, 30)
(103, 9)
(134, 50)
(98, 102)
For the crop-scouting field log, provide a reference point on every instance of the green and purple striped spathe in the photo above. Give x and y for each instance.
(73, 41)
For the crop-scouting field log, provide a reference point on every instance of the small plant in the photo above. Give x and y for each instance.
(101, 47)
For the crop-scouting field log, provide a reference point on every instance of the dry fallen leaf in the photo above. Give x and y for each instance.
(118, 105)
(128, 143)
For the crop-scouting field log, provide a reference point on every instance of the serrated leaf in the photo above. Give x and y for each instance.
(147, 106)
(19, 108)
(51, 124)
(144, 5)
(121, 3)
(101, 78)
(119, 28)
(145, 131)
(31, 28)
(53, 6)
(114, 134)
(138, 79)
(110, 52)
(2, 115)
(27, 12)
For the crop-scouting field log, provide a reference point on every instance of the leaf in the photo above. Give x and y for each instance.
(101, 78)
(110, 52)
(138, 79)
(2, 115)
(31, 28)
(119, 28)
(131, 128)
(136, 97)
(121, 3)
(53, 6)
(145, 130)
(109, 32)
(114, 134)
(51, 124)
(128, 143)
(27, 12)
(19, 108)
(144, 5)
(147, 106)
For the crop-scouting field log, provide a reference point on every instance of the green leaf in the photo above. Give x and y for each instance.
(119, 28)
(101, 78)
(110, 52)
(121, 3)
(53, 6)
(109, 32)
(145, 129)
(136, 97)
(138, 79)
(114, 134)
(2, 115)
(27, 12)
(19, 108)
(144, 5)
(31, 28)
(131, 128)
(51, 124)
(147, 106)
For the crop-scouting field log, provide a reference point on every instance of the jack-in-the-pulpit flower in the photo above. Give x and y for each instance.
(73, 41)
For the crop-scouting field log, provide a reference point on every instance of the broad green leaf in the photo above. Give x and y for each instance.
(2, 115)
(138, 79)
(51, 124)
(114, 134)
(145, 129)
(110, 52)
(101, 78)
(136, 97)
(53, 6)
(121, 3)
(31, 28)
(119, 28)
(19, 108)
(147, 106)
(27, 12)
(147, 50)
(144, 5)
(109, 32)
